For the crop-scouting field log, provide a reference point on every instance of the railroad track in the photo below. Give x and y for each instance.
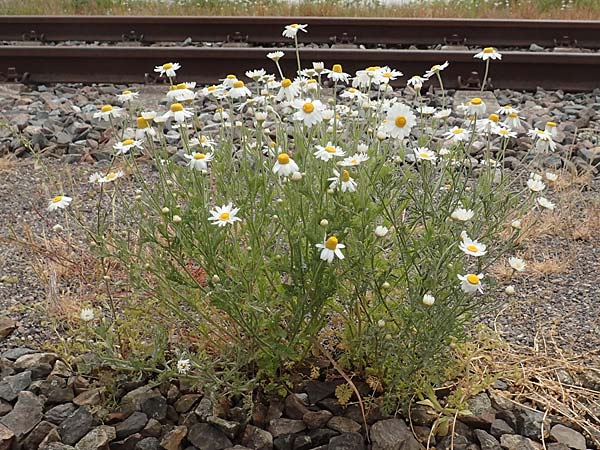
(242, 45)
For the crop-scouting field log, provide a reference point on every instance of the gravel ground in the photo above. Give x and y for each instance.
(563, 304)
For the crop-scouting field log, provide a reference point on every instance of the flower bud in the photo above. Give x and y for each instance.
(386, 285)
(169, 183)
(324, 222)
(216, 279)
(381, 231)
(176, 219)
(296, 176)
(428, 300)
(509, 290)
(165, 210)
(58, 228)
(381, 323)
(516, 224)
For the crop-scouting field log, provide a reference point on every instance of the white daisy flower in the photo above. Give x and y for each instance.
(203, 141)
(364, 78)
(285, 166)
(457, 134)
(275, 56)
(476, 107)
(471, 247)
(168, 69)
(337, 74)
(331, 248)
(509, 290)
(124, 146)
(59, 202)
(551, 176)
(214, 91)
(181, 93)
(416, 82)
(318, 66)
(506, 110)
(551, 129)
(239, 90)
(178, 112)
(329, 151)
(513, 121)
(545, 203)
(354, 160)
(471, 283)
(488, 53)
(289, 90)
(199, 161)
(388, 74)
(223, 215)
(86, 314)
(442, 114)
(428, 300)
(437, 68)
(462, 214)
(127, 96)
(110, 177)
(504, 132)
(183, 366)
(291, 31)
(399, 121)
(424, 154)
(308, 111)
(256, 74)
(381, 231)
(108, 112)
(516, 263)
(227, 82)
(345, 182)
(353, 94)
(535, 183)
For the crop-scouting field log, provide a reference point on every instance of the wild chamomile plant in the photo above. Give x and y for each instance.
(316, 201)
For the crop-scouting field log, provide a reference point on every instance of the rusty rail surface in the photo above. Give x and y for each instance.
(334, 30)
(518, 70)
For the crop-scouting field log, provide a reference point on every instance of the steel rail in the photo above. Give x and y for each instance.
(517, 70)
(267, 30)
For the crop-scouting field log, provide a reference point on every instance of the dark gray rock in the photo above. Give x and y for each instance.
(152, 429)
(230, 428)
(277, 427)
(186, 402)
(458, 443)
(487, 441)
(257, 438)
(149, 443)
(206, 437)
(59, 413)
(37, 435)
(318, 390)
(155, 407)
(5, 408)
(129, 443)
(321, 436)
(7, 326)
(500, 427)
(58, 446)
(26, 414)
(347, 441)
(392, 434)
(12, 385)
(568, 436)
(516, 442)
(294, 407)
(35, 360)
(343, 425)
(529, 423)
(204, 409)
(97, 439)
(133, 424)
(483, 412)
(316, 419)
(56, 390)
(76, 426)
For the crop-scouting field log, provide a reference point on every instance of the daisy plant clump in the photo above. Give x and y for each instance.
(292, 212)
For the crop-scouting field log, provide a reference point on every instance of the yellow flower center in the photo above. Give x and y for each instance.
(331, 243)
(330, 149)
(294, 25)
(550, 124)
(353, 90)
(211, 88)
(337, 68)
(142, 123)
(224, 216)
(181, 86)
(513, 115)
(472, 248)
(106, 108)
(286, 83)
(435, 67)
(488, 50)
(57, 199)
(168, 66)
(400, 121)
(238, 84)
(494, 117)
(126, 92)
(111, 176)
(458, 131)
(476, 101)
(387, 74)
(128, 141)
(373, 68)
(345, 176)
(283, 158)
(311, 81)
(472, 278)
(203, 139)
(424, 155)
(503, 131)
(308, 107)
(199, 156)
(176, 107)
(231, 77)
